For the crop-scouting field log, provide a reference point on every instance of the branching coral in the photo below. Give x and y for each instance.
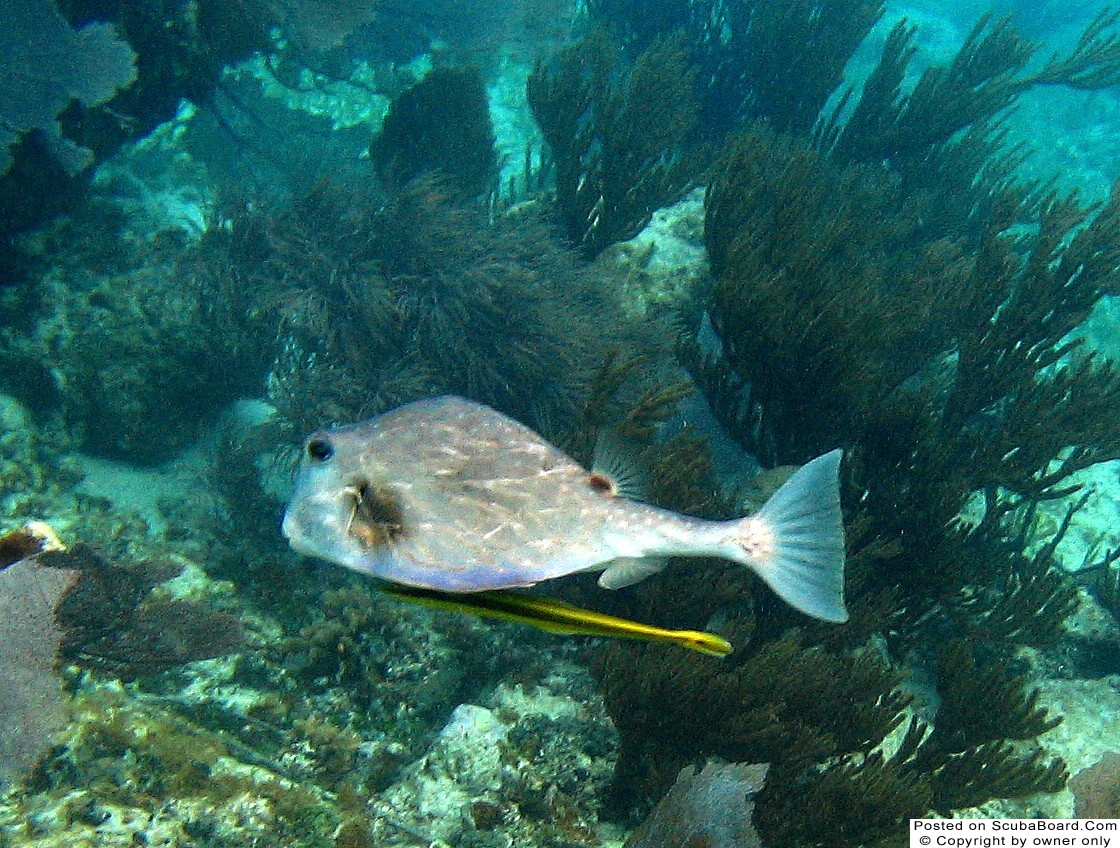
(858, 303)
(788, 233)
(947, 371)
(782, 703)
(976, 85)
(969, 754)
(856, 800)
(421, 297)
(944, 137)
(798, 707)
(638, 25)
(778, 60)
(618, 133)
(753, 58)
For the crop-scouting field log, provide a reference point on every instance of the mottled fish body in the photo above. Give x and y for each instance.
(450, 495)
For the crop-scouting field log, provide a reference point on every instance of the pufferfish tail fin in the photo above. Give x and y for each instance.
(795, 543)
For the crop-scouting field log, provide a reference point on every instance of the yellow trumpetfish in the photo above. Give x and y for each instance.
(555, 616)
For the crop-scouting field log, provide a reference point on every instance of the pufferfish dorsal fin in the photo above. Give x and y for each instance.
(616, 467)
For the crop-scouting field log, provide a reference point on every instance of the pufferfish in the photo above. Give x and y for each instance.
(451, 496)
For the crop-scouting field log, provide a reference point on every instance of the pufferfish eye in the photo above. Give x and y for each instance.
(319, 449)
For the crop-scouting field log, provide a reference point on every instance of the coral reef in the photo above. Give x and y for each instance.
(882, 280)
(665, 264)
(284, 748)
(787, 230)
(122, 387)
(530, 769)
(133, 362)
(126, 755)
(31, 472)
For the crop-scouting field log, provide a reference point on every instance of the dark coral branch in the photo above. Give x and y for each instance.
(618, 134)
(789, 234)
(968, 691)
(975, 89)
(784, 703)
(979, 82)
(1095, 61)
(853, 801)
(995, 770)
(783, 60)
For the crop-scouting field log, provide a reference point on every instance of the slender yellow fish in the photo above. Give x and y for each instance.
(555, 616)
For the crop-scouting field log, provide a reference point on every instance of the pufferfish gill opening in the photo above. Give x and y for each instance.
(450, 495)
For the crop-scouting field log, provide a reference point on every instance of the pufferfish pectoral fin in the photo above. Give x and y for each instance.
(626, 571)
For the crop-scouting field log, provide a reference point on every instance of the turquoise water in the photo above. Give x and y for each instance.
(691, 229)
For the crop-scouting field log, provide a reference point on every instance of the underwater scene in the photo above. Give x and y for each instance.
(556, 423)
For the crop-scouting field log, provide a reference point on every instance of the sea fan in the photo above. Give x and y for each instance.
(32, 704)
